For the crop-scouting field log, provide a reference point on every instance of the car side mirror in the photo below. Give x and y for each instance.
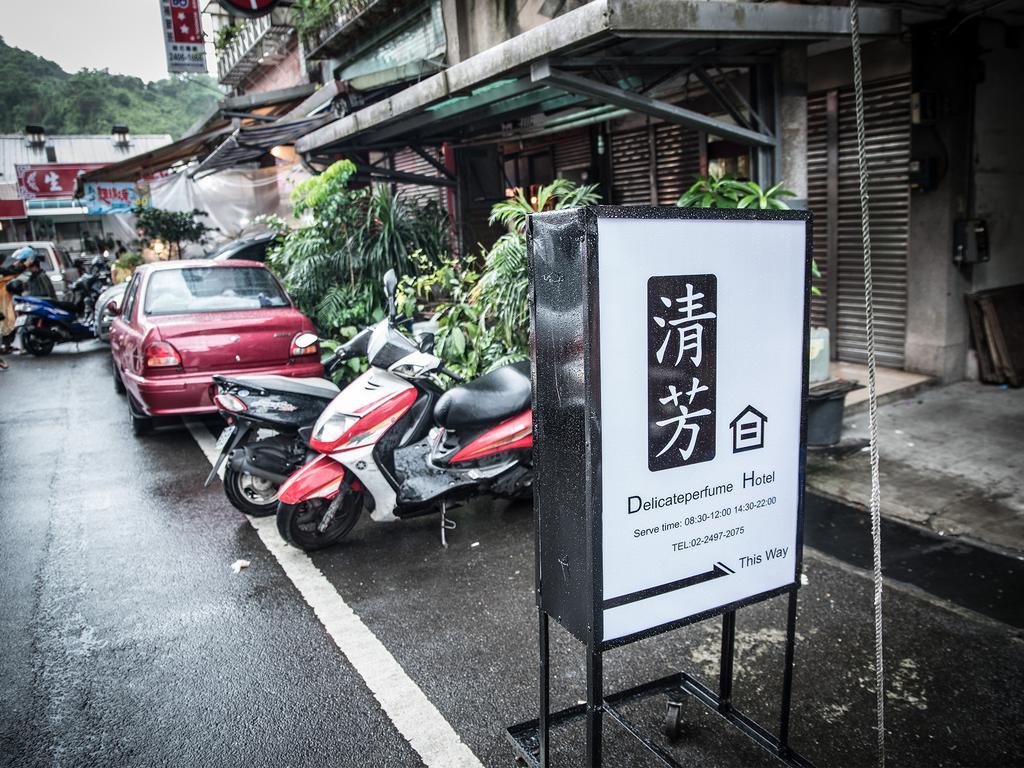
(427, 343)
(113, 309)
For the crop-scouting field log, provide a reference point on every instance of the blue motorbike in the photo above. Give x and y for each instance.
(44, 323)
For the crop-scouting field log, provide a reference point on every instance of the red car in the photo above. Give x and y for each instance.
(181, 322)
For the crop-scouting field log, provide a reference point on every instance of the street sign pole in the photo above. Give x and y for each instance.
(670, 380)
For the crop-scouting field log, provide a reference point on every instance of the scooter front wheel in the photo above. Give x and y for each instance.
(299, 524)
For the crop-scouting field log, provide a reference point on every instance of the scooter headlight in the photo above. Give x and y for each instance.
(330, 429)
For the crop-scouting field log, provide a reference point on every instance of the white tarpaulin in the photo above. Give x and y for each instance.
(230, 199)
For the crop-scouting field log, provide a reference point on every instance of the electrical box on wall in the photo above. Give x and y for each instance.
(924, 108)
(924, 175)
(970, 241)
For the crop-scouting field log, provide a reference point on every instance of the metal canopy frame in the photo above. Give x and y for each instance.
(631, 35)
(542, 72)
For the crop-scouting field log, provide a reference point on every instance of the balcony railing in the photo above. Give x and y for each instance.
(261, 42)
(349, 14)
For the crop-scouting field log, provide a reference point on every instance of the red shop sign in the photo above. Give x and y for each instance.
(50, 180)
(249, 7)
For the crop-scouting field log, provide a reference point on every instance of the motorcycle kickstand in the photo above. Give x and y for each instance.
(446, 525)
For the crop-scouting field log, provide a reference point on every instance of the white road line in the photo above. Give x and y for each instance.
(401, 699)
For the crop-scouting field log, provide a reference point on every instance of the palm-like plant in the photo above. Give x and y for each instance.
(503, 289)
(713, 191)
(334, 265)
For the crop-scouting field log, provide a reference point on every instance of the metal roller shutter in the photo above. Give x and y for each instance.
(407, 161)
(572, 154)
(887, 105)
(631, 167)
(677, 161)
(641, 176)
(817, 199)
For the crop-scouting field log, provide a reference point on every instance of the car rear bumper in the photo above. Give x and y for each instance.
(189, 393)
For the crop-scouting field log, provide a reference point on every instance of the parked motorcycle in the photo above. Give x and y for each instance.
(86, 290)
(44, 323)
(285, 407)
(395, 443)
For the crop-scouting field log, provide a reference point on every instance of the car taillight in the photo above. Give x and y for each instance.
(228, 402)
(161, 354)
(298, 351)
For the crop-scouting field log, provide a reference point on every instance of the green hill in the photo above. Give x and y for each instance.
(36, 91)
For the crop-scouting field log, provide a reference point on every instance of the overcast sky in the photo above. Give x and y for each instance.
(124, 36)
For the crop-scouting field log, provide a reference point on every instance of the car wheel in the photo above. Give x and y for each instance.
(118, 383)
(140, 424)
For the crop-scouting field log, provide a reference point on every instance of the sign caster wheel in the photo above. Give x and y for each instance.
(674, 725)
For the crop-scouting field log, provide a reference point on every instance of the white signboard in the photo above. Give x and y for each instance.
(702, 366)
(183, 35)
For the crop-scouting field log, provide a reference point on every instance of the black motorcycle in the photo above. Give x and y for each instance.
(270, 419)
(85, 291)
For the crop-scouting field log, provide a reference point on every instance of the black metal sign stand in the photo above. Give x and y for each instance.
(531, 740)
(650, 259)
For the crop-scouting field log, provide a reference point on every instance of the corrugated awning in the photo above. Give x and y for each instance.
(157, 160)
(542, 71)
(249, 144)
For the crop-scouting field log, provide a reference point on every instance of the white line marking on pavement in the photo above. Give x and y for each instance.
(416, 718)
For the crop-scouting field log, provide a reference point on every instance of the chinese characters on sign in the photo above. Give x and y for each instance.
(109, 196)
(681, 370)
(183, 36)
(50, 180)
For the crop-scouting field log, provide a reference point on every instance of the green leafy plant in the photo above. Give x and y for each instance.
(713, 191)
(311, 16)
(483, 317)
(128, 261)
(334, 265)
(173, 227)
(225, 36)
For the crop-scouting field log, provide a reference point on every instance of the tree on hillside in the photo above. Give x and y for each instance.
(34, 90)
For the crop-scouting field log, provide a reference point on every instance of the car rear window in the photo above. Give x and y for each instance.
(212, 289)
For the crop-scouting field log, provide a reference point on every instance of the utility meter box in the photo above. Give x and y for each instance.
(670, 378)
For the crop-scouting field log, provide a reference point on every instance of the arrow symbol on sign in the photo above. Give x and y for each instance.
(718, 570)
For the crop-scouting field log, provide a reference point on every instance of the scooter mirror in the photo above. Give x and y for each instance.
(306, 340)
(113, 309)
(390, 283)
(427, 343)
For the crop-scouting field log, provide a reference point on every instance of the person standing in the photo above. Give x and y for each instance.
(37, 282)
(8, 319)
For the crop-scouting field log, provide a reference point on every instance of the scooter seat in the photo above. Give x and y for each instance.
(312, 387)
(494, 397)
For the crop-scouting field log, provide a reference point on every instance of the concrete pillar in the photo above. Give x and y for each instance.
(937, 325)
(793, 120)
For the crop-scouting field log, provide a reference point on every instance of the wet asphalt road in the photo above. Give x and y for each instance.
(128, 641)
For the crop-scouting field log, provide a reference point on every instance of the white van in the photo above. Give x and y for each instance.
(56, 263)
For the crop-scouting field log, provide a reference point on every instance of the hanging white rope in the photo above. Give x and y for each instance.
(869, 329)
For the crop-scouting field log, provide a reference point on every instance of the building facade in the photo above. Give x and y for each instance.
(466, 101)
(37, 183)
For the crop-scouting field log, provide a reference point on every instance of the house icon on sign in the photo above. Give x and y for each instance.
(748, 430)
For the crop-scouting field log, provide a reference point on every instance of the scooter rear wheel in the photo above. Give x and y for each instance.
(299, 523)
(250, 494)
(35, 345)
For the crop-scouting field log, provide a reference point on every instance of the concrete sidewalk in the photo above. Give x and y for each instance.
(952, 460)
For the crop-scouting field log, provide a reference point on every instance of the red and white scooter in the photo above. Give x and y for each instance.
(395, 443)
